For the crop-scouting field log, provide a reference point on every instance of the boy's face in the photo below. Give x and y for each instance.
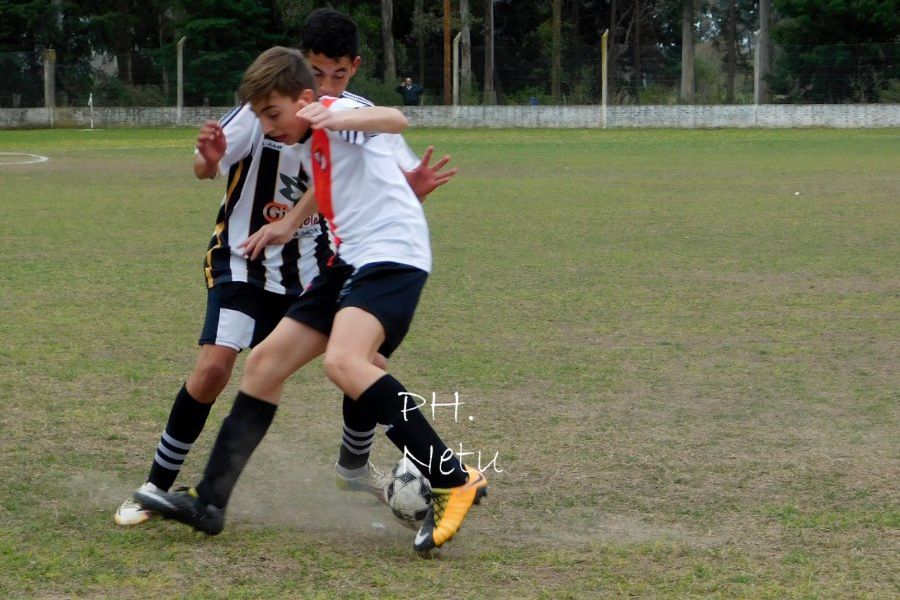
(332, 75)
(278, 116)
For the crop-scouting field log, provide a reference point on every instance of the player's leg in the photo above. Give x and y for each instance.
(231, 311)
(357, 438)
(288, 348)
(354, 471)
(299, 337)
(376, 313)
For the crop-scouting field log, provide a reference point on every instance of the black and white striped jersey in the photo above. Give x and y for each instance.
(264, 181)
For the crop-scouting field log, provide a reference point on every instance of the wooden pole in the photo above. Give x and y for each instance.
(603, 85)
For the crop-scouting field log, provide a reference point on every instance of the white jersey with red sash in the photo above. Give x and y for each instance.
(373, 213)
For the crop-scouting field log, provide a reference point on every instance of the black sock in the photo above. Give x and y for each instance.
(242, 431)
(411, 433)
(359, 434)
(186, 421)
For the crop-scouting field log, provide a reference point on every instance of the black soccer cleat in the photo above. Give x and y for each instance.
(183, 506)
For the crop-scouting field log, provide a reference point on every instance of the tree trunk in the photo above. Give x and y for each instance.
(612, 53)
(732, 51)
(763, 51)
(387, 40)
(556, 51)
(448, 59)
(419, 26)
(573, 12)
(638, 74)
(490, 96)
(165, 70)
(687, 53)
(130, 59)
(465, 53)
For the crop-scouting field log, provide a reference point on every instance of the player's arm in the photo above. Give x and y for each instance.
(282, 231)
(372, 119)
(211, 148)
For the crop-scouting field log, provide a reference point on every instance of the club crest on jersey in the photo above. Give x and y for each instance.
(275, 211)
(321, 160)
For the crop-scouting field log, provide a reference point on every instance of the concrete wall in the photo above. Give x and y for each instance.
(770, 115)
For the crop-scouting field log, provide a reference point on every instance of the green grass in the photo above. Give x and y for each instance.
(687, 371)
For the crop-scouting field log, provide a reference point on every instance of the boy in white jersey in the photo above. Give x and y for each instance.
(361, 304)
(330, 44)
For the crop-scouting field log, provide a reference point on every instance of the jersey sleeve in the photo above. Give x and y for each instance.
(356, 138)
(239, 126)
(404, 155)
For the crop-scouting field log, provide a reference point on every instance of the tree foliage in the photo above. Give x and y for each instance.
(837, 50)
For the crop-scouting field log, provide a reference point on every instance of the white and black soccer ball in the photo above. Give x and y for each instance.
(408, 494)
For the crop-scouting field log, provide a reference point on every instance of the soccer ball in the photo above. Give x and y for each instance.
(408, 494)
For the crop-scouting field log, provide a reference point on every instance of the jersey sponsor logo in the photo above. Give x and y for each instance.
(310, 228)
(292, 189)
(275, 211)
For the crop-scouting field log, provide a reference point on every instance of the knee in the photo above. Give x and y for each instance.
(380, 361)
(260, 365)
(338, 366)
(209, 380)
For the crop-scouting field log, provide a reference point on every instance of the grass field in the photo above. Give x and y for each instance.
(688, 372)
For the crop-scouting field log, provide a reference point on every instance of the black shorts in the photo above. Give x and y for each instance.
(240, 315)
(388, 291)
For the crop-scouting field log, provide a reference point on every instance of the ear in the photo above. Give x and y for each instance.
(354, 65)
(307, 96)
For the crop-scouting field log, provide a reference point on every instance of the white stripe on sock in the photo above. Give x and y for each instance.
(164, 463)
(355, 433)
(174, 455)
(173, 442)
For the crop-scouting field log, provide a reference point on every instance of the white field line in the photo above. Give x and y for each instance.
(31, 158)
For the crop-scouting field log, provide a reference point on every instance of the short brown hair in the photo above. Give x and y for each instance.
(278, 69)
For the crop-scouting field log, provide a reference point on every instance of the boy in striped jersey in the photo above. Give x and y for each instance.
(361, 303)
(246, 298)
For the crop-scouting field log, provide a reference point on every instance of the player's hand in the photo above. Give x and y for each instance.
(211, 142)
(424, 179)
(318, 115)
(276, 233)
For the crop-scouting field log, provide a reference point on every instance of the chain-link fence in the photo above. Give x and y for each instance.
(648, 75)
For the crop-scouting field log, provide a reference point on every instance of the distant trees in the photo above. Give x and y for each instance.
(838, 50)
(661, 51)
(224, 37)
